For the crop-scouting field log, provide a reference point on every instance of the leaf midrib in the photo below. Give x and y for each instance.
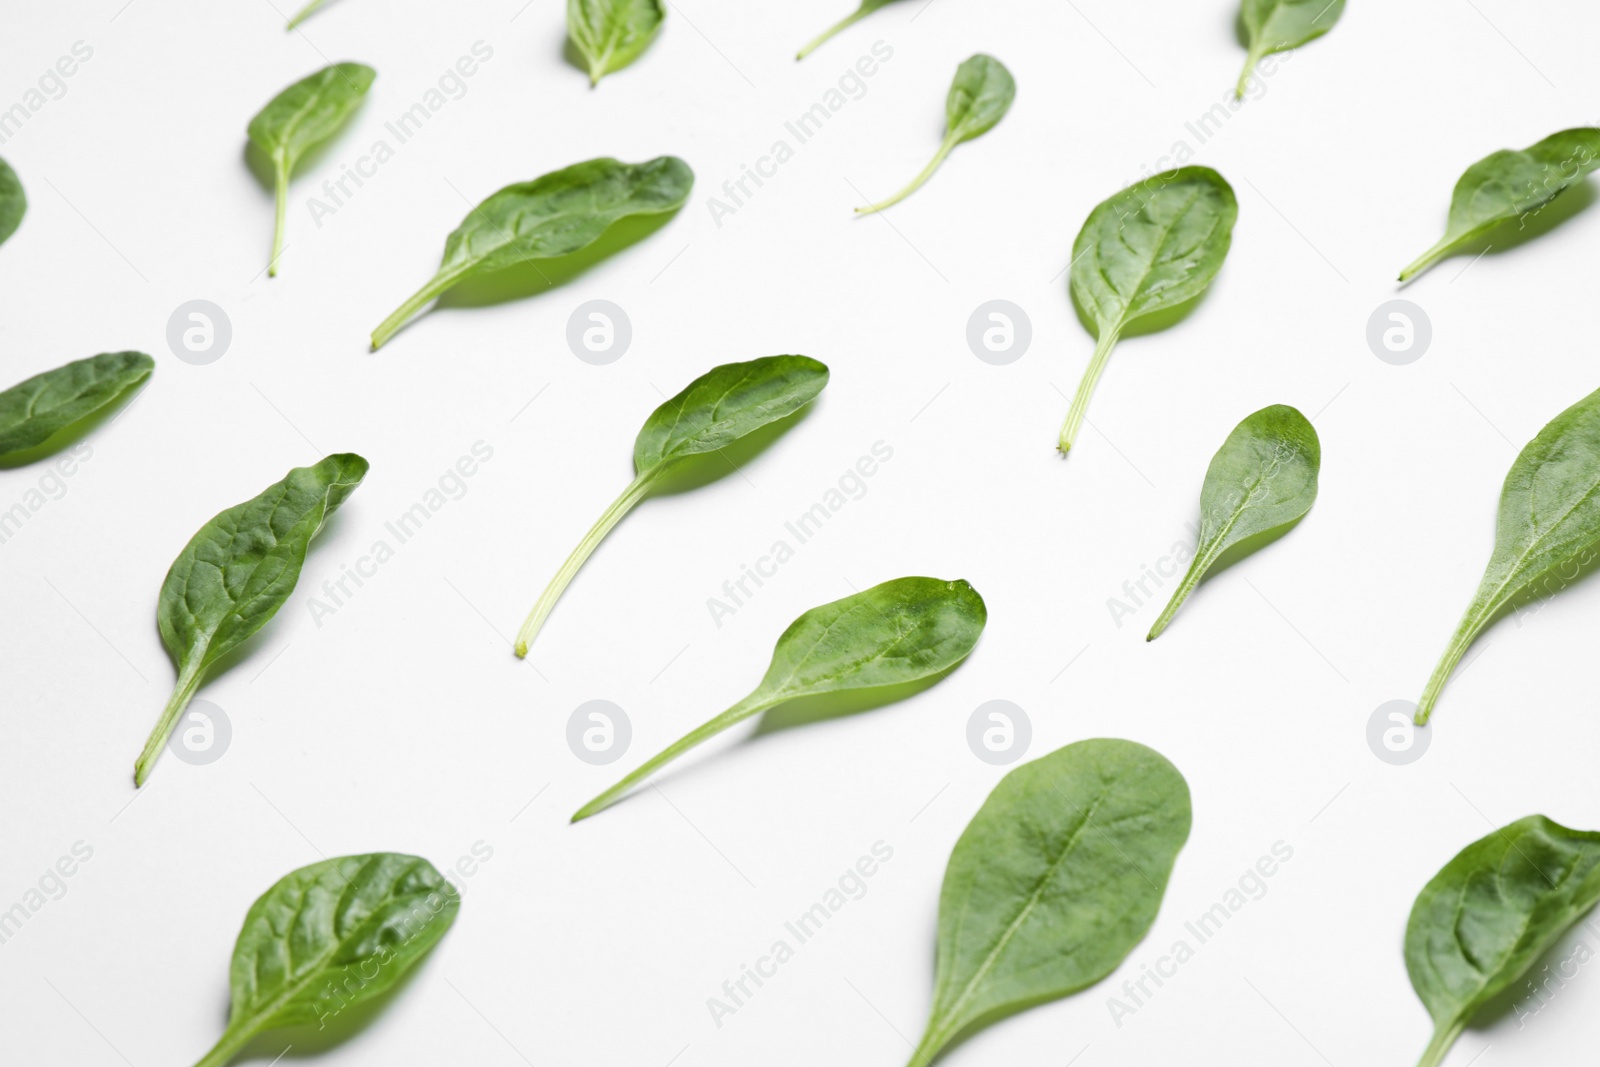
(1027, 909)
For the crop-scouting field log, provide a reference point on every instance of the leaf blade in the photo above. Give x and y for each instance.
(1053, 882)
(13, 201)
(1548, 525)
(1509, 184)
(610, 34)
(1263, 479)
(1148, 249)
(896, 633)
(236, 572)
(554, 215)
(305, 948)
(36, 411)
(1485, 919)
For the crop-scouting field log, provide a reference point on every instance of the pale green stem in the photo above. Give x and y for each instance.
(1197, 571)
(1447, 665)
(232, 1043)
(187, 685)
(391, 325)
(843, 24)
(927, 1048)
(1080, 402)
(304, 13)
(547, 600)
(916, 183)
(1427, 259)
(1244, 77)
(1444, 1037)
(280, 166)
(750, 705)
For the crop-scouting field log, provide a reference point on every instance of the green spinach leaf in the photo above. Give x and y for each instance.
(1052, 884)
(328, 937)
(979, 98)
(13, 201)
(35, 413)
(1487, 917)
(1262, 480)
(1508, 185)
(1148, 249)
(713, 411)
(555, 215)
(892, 634)
(1548, 530)
(1279, 25)
(299, 118)
(612, 33)
(867, 7)
(234, 575)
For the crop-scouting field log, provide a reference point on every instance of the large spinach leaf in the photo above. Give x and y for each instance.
(1261, 481)
(1488, 916)
(713, 411)
(1055, 880)
(234, 575)
(37, 413)
(1148, 249)
(555, 215)
(1507, 185)
(892, 634)
(1548, 530)
(298, 119)
(328, 937)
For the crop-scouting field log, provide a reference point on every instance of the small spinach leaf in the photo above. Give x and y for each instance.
(1148, 249)
(898, 632)
(713, 411)
(612, 33)
(1508, 185)
(867, 7)
(1547, 533)
(1052, 884)
(1486, 918)
(555, 215)
(299, 118)
(13, 201)
(1263, 479)
(234, 575)
(328, 937)
(1279, 25)
(34, 413)
(979, 98)
(305, 13)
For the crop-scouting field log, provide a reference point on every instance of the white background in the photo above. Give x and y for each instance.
(403, 722)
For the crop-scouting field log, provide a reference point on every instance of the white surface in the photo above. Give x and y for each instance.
(404, 723)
